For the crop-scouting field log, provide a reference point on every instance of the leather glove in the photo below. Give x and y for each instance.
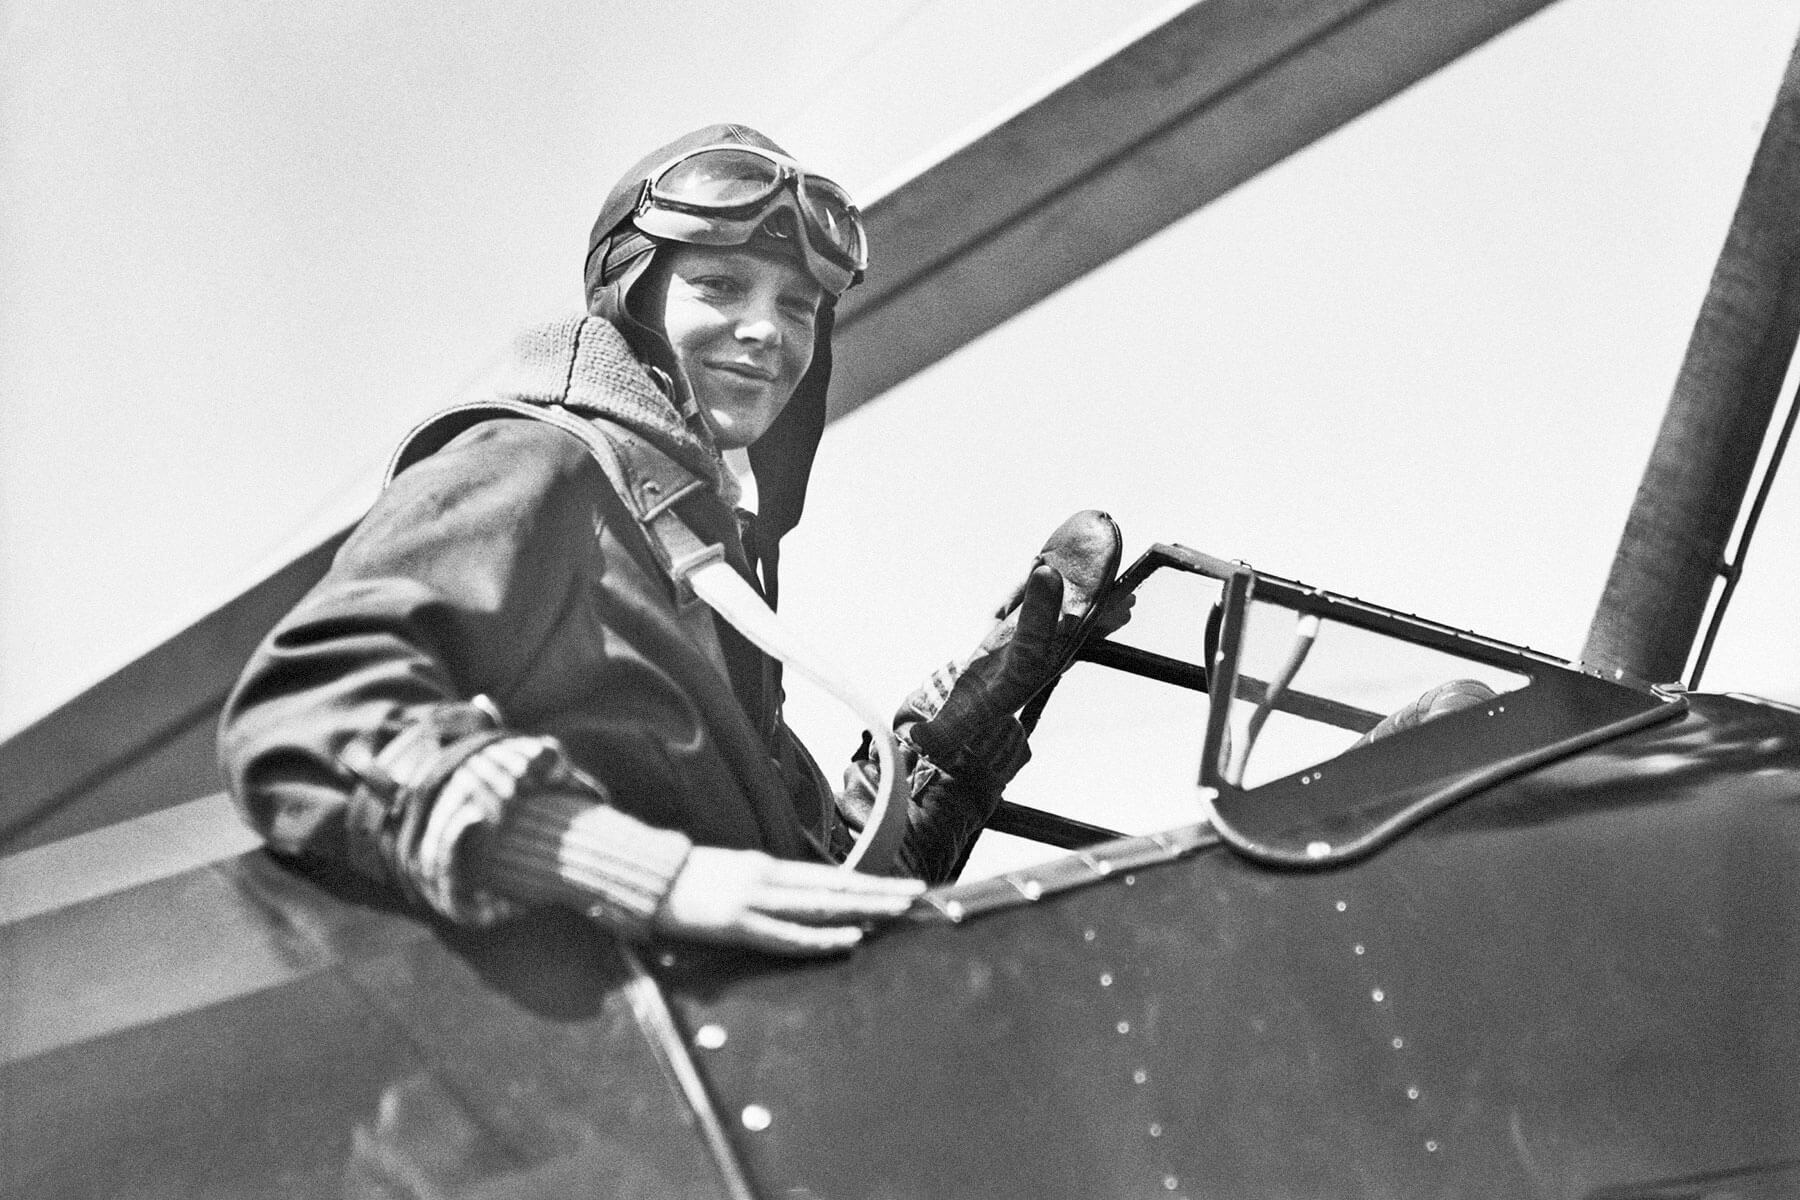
(962, 718)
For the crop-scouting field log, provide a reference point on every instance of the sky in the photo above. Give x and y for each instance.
(244, 250)
(1421, 362)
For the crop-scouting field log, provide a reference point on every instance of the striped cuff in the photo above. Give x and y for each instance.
(477, 794)
(561, 847)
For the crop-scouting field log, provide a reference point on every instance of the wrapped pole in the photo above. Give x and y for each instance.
(1675, 537)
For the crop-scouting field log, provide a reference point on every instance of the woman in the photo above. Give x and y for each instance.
(498, 697)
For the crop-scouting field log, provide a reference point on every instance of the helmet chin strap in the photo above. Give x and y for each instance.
(617, 303)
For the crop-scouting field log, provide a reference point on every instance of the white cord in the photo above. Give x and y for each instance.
(725, 590)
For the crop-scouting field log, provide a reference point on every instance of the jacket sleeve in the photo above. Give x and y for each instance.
(360, 734)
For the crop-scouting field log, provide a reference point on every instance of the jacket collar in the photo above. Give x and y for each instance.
(584, 364)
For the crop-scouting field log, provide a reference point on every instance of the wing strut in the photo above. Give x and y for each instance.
(1674, 542)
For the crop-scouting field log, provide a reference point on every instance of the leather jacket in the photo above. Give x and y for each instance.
(499, 586)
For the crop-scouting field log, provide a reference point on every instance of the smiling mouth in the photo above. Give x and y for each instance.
(745, 371)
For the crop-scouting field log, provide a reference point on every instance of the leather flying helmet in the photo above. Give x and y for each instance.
(700, 190)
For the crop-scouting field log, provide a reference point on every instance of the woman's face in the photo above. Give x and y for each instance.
(741, 325)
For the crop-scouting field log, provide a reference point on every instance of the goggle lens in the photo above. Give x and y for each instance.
(718, 179)
(731, 181)
(831, 213)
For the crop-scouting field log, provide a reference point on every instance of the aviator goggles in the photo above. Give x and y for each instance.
(725, 195)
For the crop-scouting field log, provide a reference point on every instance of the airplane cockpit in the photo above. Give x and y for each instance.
(1326, 726)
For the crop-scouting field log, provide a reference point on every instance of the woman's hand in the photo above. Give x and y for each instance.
(747, 898)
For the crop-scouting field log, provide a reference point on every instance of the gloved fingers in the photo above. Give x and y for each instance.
(1007, 618)
(1040, 614)
(995, 683)
(963, 713)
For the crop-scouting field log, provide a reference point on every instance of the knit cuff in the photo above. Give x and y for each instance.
(477, 796)
(561, 847)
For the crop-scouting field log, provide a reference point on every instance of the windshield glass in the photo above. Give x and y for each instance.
(1309, 688)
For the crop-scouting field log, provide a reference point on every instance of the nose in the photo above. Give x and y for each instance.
(760, 331)
(759, 324)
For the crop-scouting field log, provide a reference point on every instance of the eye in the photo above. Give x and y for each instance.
(800, 306)
(718, 284)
